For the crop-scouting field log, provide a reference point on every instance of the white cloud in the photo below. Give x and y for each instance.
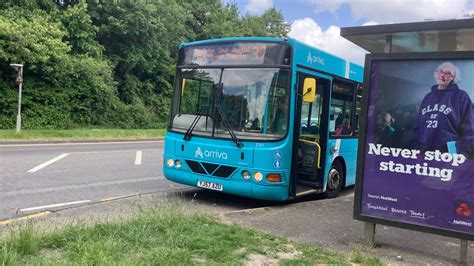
(398, 10)
(308, 31)
(370, 23)
(323, 5)
(258, 6)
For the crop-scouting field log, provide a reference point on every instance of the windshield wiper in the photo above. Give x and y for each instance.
(187, 136)
(231, 131)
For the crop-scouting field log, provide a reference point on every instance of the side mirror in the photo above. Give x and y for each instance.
(309, 90)
(182, 87)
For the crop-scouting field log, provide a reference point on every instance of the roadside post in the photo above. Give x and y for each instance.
(19, 81)
(416, 150)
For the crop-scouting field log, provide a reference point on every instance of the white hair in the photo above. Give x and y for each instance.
(451, 67)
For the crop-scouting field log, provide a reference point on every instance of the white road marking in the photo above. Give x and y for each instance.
(43, 165)
(79, 143)
(54, 205)
(88, 185)
(138, 158)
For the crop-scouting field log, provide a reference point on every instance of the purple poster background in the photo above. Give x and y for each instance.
(405, 183)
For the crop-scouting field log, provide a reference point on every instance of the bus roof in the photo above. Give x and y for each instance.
(304, 56)
(232, 39)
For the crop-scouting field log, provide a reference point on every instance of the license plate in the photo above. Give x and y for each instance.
(210, 185)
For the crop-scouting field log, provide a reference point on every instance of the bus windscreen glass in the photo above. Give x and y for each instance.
(253, 102)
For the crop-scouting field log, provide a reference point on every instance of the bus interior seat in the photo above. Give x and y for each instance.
(313, 129)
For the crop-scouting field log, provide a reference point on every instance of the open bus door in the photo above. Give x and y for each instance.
(312, 134)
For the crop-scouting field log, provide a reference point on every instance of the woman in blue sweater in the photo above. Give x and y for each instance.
(446, 120)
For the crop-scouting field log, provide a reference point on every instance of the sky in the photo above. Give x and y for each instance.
(318, 22)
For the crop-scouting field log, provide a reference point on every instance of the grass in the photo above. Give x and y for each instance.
(160, 237)
(81, 134)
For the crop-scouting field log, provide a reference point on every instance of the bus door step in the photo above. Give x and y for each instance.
(312, 177)
(304, 190)
(309, 184)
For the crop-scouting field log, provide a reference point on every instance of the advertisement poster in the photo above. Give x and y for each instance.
(419, 146)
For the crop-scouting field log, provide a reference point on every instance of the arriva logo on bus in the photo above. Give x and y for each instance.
(209, 154)
(315, 59)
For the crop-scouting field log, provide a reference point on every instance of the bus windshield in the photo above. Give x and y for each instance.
(253, 102)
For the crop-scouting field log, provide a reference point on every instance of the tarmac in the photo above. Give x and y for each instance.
(329, 223)
(324, 223)
(320, 222)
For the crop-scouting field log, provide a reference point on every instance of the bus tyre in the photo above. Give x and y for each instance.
(335, 180)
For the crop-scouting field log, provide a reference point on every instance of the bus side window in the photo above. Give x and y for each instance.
(341, 111)
(358, 110)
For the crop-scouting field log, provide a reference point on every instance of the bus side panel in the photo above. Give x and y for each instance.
(347, 150)
(318, 59)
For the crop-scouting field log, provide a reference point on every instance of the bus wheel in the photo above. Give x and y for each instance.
(335, 180)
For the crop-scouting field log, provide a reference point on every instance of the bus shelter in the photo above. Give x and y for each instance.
(416, 149)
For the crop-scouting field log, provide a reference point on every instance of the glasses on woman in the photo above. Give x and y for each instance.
(445, 73)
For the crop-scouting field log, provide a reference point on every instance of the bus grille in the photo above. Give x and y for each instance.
(211, 169)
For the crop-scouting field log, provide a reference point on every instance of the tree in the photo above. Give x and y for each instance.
(82, 34)
(275, 24)
(270, 24)
(107, 63)
(141, 39)
(62, 90)
(210, 19)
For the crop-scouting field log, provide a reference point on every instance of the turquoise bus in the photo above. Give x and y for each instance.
(264, 118)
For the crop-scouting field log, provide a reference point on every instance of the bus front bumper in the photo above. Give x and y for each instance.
(245, 188)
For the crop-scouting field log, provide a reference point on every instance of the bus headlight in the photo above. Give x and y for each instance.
(170, 162)
(178, 164)
(246, 174)
(258, 176)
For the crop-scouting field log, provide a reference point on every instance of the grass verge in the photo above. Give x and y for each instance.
(160, 237)
(81, 134)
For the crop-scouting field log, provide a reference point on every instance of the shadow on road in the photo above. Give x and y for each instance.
(232, 202)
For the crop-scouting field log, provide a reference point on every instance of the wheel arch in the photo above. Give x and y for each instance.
(341, 160)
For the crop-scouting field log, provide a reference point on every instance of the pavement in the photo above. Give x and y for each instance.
(324, 223)
(329, 223)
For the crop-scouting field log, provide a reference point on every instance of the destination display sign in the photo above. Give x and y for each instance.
(233, 53)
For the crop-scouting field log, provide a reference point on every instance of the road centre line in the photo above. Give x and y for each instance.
(30, 216)
(43, 165)
(89, 185)
(54, 205)
(138, 158)
(78, 143)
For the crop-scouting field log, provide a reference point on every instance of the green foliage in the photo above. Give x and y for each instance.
(210, 19)
(270, 24)
(82, 33)
(30, 36)
(106, 64)
(164, 236)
